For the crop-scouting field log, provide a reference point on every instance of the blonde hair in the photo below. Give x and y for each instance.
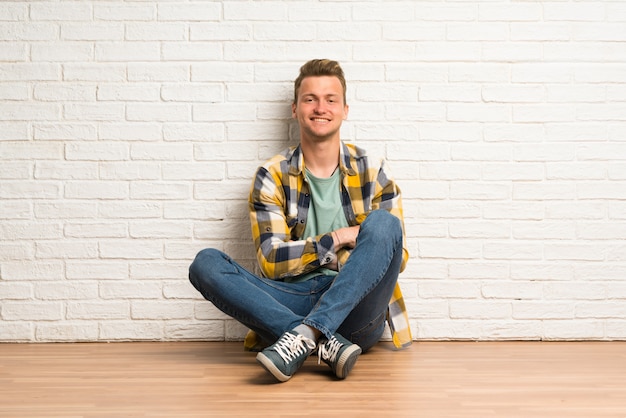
(317, 68)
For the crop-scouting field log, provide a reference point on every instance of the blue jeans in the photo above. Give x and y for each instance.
(352, 303)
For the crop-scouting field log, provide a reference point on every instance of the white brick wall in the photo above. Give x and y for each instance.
(129, 132)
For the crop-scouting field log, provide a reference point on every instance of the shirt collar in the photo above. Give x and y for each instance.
(296, 162)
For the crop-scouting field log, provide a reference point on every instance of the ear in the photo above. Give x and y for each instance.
(346, 108)
(293, 110)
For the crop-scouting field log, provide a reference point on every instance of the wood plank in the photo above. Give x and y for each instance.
(207, 379)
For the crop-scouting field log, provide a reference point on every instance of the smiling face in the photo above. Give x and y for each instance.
(319, 108)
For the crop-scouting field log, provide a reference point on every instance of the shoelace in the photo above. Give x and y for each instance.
(291, 346)
(328, 351)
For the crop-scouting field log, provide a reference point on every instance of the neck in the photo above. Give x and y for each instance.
(321, 158)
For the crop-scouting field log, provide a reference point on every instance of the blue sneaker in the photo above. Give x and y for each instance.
(339, 353)
(283, 358)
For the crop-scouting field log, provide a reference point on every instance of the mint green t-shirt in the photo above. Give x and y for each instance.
(325, 213)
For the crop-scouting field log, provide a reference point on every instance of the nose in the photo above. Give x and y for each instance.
(319, 107)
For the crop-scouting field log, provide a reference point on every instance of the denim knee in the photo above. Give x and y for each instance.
(202, 266)
(383, 223)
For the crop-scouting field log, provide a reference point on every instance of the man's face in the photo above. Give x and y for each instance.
(320, 109)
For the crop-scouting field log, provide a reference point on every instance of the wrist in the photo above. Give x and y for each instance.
(336, 241)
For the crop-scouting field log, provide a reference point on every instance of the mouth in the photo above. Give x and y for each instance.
(320, 120)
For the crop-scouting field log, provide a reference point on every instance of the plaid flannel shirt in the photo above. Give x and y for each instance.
(278, 206)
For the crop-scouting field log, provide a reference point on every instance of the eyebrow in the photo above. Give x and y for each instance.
(315, 95)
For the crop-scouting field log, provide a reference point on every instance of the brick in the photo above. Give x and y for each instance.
(538, 310)
(455, 249)
(129, 209)
(124, 12)
(126, 51)
(68, 51)
(131, 331)
(462, 309)
(62, 290)
(32, 311)
(92, 32)
(448, 290)
(30, 32)
(64, 131)
(13, 12)
(189, 12)
(100, 270)
(16, 291)
(133, 249)
(161, 229)
(88, 310)
(15, 92)
(161, 112)
(196, 131)
(153, 270)
(158, 72)
(94, 72)
(542, 31)
(15, 209)
(203, 331)
(16, 332)
(50, 250)
(490, 230)
(15, 171)
(353, 32)
(574, 251)
(93, 112)
(479, 191)
(512, 290)
(32, 112)
(136, 131)
(30, 230)
(193, 51)
(573, 330)
(477, 32)
(59, 210)
(223, 31)
(161, 151)
(99, 151)
(96, 190)
(510, 12)
(10, 250)
(155, 32)
(186, 171)
(267, 11)
(512, 251)
(227, 112)
(95, 230)
(129, 171)
(51, 170)
(130, 289)
(544, 230)
(162, 310)
(60, 12)
(67, 332)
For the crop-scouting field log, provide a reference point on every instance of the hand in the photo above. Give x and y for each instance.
(345, 237)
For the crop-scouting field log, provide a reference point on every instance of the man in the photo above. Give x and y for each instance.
(329, 235)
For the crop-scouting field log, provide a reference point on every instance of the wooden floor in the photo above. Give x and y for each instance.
(207, 379)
